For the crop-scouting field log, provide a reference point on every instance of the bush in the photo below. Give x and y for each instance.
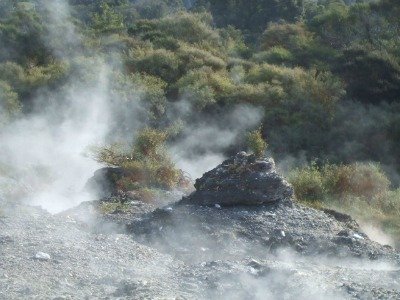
(256, 143)
(202, 86)
(142, 91)
(359, 189)
(10, 107)
(146, 163)
(193, 58)
(108, 20)
(150, 143)
(308, 183)
(274, 55)
(161, 63)
(186, 27)
(365, 181)
(25, 81)
(300, 85)
(292, 37)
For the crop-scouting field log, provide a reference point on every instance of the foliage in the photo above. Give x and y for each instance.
(366, 181)
(10, 107)
(160, 62)
(252, 16)
(324, 74)
(361, 189)
(146, 163)
(108, 20)
(256, 143)
(370, 77)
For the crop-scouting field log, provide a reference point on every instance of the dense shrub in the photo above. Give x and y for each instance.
(366, 181)
(359, 189)
(293, 37)
(300, 84)
(25, 81)
(308, 183)
(274, 55)
(256, 143)
(190, 28)
(146, 163)
(370, 77)
(107, 20)
(161, 63)
(139, 90)
(10, 107)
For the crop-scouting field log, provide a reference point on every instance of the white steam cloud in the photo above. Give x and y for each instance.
(204, 143)
(44, 153)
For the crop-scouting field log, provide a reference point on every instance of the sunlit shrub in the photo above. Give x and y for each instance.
(142, 91)
(289, 36)
(366, 181)
(146, 163)
(274, 55)
(256, 143)
(191, 28)
(308, 183)
(301, 85)
(201, 86)
(192, 58)
(161, 63)
(25, 80)
(107, 20)
(149, 143)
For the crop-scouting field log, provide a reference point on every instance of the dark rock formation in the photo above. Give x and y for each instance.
(104, 181)
(241, 180)
(243, 206)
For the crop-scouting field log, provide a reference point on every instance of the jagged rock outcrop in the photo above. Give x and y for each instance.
(244, 206)
(241, 180)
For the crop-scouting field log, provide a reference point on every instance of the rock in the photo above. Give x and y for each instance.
(42, 256)
(241, 180)
(104, 181)
(217, 214)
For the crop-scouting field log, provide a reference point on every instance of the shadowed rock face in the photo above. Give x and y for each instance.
(104, 181)
(241, 180)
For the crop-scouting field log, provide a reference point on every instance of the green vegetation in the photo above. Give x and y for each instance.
(324, 74)
(359, 189)
(146, 163)
(256, 143)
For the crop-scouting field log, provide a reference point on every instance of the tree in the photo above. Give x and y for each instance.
(10, 107)
(107, 20)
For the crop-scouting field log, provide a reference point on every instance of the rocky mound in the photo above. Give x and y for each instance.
(214, 244)
(241, 180)
(104, 181)
(244, 206)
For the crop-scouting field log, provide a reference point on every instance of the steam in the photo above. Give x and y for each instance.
(45, 152)
(204, 143)
(376, 234)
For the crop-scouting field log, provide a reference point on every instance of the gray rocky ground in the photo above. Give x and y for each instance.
(189, 250)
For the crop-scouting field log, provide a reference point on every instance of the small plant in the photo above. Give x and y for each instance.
(308, 183)
(256, 143)
(146, 163)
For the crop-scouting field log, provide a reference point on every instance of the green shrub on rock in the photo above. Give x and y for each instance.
(256, 143)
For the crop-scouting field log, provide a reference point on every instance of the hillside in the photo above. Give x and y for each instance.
(113, 108)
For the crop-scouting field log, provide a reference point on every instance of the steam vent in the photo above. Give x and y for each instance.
(241, 180)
